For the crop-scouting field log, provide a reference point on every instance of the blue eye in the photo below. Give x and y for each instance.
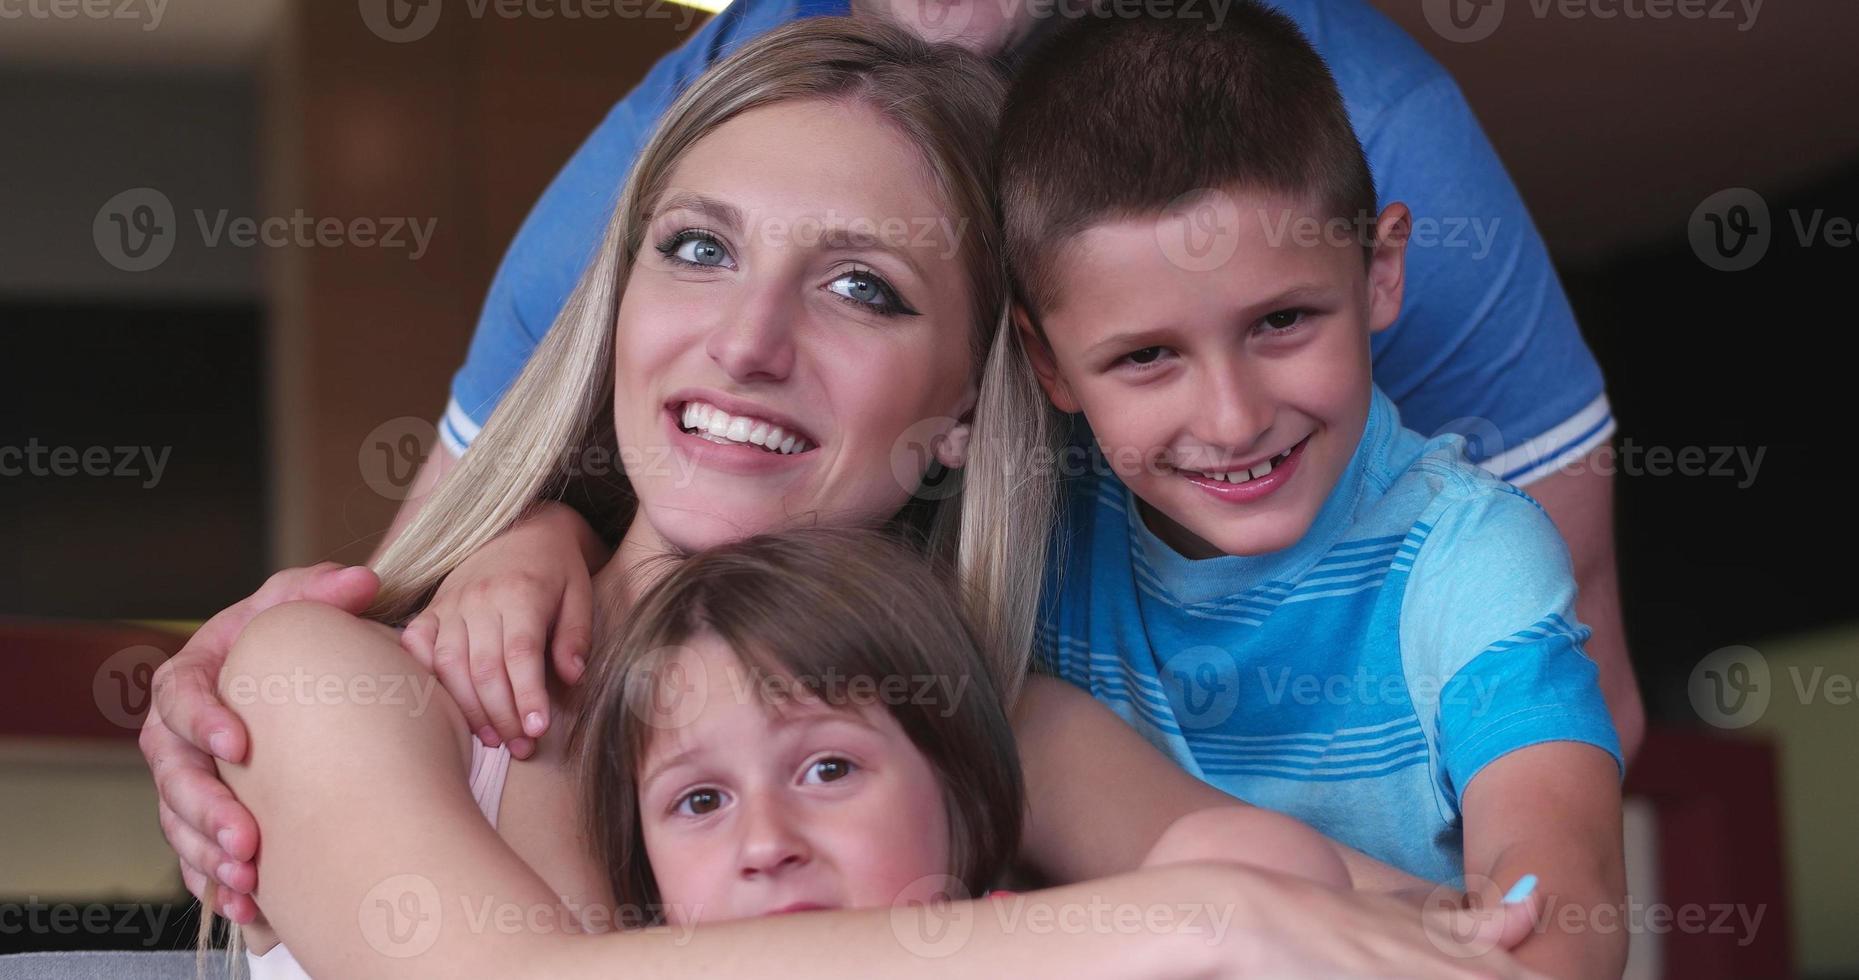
(869, 290)
(694, 247)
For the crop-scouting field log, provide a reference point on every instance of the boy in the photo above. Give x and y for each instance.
(1305, 604)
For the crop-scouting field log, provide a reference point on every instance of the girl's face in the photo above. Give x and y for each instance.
(755, 799)
(797, 317)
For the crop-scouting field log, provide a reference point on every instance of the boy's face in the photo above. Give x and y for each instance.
(1220, 352)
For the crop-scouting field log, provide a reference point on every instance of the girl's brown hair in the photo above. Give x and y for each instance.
(833, 613)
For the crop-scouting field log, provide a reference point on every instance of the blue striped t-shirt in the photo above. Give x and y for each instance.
(1358, 680)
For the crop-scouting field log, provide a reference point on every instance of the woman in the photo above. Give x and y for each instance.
(747, 286)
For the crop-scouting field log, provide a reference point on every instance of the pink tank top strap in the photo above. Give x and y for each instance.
(488, 768)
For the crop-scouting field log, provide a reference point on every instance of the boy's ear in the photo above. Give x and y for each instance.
(1039, 355)
(1387, 266)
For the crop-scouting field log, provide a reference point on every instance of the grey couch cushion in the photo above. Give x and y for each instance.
(151, 965)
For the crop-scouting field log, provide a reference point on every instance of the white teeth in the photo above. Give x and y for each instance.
(719, 426)
(1242, 476)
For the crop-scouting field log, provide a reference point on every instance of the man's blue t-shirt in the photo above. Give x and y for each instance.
(1358, 680)
(1486, 345)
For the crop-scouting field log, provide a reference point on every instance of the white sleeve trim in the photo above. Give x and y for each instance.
(1560, 446)
(456, 429)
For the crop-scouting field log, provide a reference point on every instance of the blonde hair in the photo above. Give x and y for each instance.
(946, 101)
(991, 529)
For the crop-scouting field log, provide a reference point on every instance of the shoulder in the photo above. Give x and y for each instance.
(1461, 507)
(1377, 64)
(307, 668)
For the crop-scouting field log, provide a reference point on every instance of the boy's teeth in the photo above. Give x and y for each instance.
(1242, 476)
(719, 426)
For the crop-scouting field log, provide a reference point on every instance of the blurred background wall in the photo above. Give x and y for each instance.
(268, 393)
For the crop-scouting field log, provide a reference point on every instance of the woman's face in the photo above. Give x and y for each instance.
(756, 798)
(798, 303)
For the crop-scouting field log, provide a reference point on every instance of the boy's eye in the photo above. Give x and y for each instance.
(829, 770)
(694, 247)
(868, 289)
(699, 802)
(1283, 320)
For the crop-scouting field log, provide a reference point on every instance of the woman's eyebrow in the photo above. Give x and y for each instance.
(721, 212)
(840, 236)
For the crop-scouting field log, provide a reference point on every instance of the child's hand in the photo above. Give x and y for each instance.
(484, 632)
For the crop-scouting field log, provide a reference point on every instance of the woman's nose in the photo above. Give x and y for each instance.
(755, 339)
(771, 842)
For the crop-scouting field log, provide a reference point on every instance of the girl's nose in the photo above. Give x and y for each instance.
(771, 842)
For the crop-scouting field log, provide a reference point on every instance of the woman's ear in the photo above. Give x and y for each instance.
(952, 448)
(1387, 266)
(1045, 366)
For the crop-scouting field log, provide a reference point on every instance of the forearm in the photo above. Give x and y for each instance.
(1598, 606)
(1183, 914)
(1579, 927)
(1580, 500)
(438, 463)
(569, 521)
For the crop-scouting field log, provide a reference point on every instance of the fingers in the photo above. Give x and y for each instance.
(419, 635)
(190, 707)
(574, 629)
(489, 676)
(523, 630)
(351, 588)
(189, 786)
(204, 856)
(451, 660)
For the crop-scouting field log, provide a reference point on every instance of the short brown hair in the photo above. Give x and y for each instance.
(832, 610)
(1117, 116)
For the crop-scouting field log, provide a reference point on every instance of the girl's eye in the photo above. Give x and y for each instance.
(1145, 356)
(869, 290)
(699, 802)
(1282, 320)
(829, 770)
(694, 247)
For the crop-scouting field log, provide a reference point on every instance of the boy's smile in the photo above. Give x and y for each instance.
(1229, 396)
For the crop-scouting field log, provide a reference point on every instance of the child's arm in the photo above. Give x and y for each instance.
(377, 863)
(487, 628)
(1553, 809)
(1103, 800)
